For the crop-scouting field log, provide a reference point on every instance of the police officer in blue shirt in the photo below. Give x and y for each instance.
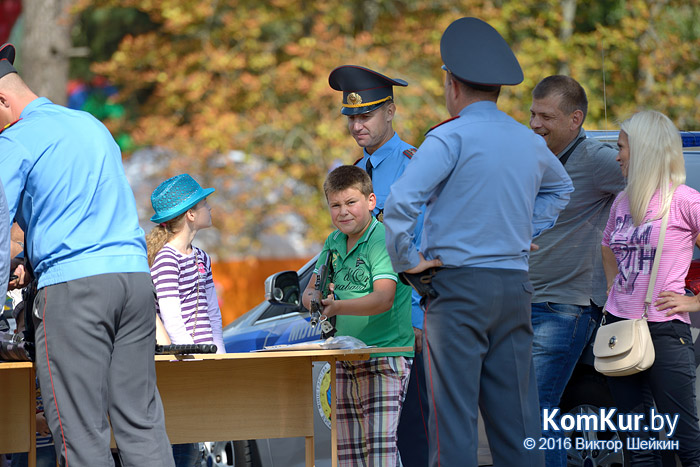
(94, 312)
(4, 242)
(368, 103)
(491, 186)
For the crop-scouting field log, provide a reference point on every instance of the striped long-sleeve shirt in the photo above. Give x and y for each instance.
(186, 297)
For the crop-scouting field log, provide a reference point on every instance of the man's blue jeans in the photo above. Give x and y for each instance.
(560, 334)
(45, 457)
(186, 455)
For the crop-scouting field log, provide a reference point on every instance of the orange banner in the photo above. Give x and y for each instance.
(240, 284)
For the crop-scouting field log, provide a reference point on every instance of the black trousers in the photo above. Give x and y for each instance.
(669, 385)
(412, 433)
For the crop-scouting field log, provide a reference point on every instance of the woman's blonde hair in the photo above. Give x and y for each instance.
(656, 162)
(161, 234)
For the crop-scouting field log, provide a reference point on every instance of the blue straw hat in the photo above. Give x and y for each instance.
(175, 196)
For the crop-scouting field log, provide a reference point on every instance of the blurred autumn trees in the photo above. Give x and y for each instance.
(237, 91)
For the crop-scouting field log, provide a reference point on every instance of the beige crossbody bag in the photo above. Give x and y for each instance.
(625, 347)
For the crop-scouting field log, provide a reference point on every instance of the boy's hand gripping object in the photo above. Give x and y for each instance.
(323, 279)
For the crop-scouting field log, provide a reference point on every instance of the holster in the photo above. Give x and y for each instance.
(421, 282)
(28, 296)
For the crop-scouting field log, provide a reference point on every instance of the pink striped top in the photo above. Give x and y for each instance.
(187, 278)
(635, 247)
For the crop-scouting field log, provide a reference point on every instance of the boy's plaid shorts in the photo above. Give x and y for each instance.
(370, 396)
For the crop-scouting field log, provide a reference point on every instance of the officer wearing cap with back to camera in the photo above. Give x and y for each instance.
(567, 271)
(368, 103)
(492, 186)
(94, 312)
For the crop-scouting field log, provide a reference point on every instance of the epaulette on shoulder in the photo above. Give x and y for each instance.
(9, 125)
(358, 161)
(442, 123)
(409, 152)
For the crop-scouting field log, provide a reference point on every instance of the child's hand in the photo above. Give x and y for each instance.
(328, 302)
(42, 427)
(311, 296)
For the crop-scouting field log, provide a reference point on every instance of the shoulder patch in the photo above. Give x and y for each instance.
(442, 123)
(9, 125)
(358, 161)
(409, 152)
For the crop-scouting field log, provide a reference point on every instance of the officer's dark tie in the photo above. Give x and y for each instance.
(368, 167)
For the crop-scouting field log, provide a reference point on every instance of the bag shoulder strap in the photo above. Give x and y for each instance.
(657, 259)
(654, 267)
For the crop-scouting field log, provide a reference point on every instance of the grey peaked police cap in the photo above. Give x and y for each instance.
(7, 59)
(474, 52)
(363, 89)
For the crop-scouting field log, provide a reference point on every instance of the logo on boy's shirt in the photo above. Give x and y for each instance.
(354, 278)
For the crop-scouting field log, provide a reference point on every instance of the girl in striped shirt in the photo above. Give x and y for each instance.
(186, 298)
(181, 272)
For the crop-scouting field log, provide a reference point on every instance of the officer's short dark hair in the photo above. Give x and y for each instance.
(495, 91)
(572, 93)
(348, 176)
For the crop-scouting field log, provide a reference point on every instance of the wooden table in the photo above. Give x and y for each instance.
(18, 410)
(218, 397)
(242, 396)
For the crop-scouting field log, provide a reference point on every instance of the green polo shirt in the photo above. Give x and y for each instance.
(354, 273)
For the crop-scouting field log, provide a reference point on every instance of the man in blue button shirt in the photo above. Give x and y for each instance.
(491, 186)
(95, 311)
(368, 103)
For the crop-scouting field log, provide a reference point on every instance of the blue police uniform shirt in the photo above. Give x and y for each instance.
(66, 187)
(5, 245)
(388, 164)
(491, 185)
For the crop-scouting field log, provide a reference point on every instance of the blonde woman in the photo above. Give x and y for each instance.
(651, 157)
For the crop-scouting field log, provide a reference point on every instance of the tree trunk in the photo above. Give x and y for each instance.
(45, 47)
(648, 43)
(566, 30)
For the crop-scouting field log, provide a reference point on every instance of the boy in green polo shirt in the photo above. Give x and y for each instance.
(372, 305)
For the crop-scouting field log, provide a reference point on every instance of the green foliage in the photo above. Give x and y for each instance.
(100, 30)
(204, 78)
